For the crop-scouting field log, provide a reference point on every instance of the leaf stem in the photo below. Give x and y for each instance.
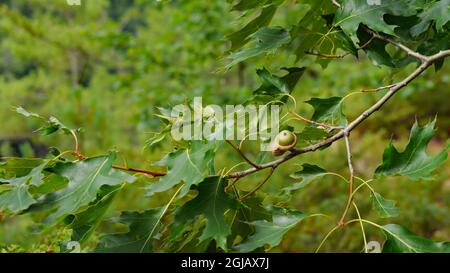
(326, 237)
(258, 186)
(135, 170)
(239, 151)
(352, 175)
(318, 124)
(362, 226)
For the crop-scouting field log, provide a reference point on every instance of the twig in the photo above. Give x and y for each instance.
(232, 184)
(367, 90)
(259, 185)
(336, 3)
(351, 179)
(408, 50)
(337, 56)
(362, 227)
(367, 43)
(318, 124)
(239, 151)
(77, 153)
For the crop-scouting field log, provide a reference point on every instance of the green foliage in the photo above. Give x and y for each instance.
(307, 174)
(17, 197)
(414, 161)
(85, 223)
(385, 208)
(212, 203)
(190, 165)
(437, 12)
(328, 110)
(356, 12)
(262, 41)
(85, 179)
(401, 240)
(277, 88)
(272, 232)
(108, 78)
(142, 228)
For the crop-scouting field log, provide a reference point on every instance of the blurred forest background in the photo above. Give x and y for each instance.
(106, 65)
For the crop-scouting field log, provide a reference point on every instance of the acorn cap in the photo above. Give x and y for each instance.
(280, 150)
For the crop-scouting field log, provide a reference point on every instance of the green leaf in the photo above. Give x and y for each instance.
(143, 227)
(311, 133)
(158, 138)
(306, 175)
(189, 165)
(85, 179)
(346, 43)
(241, 37)
(211, 202)
(51, 183)
(401, 240)
(308, 34)
(17, 167)
(328, 110)
(182, 236)
(375, 50)
(277, 87)
(434, 45)
(370, 13)
(51, 126)
(83, 224)
(26, 113)
(385, 208)
(438, 11)
(271, 233)
(244, 5)
(413, 162)
(263, 41)
(18, 197)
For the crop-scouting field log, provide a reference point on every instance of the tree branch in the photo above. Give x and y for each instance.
(408, 50)
(334, 2)
(426, 62)
(317, 124)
